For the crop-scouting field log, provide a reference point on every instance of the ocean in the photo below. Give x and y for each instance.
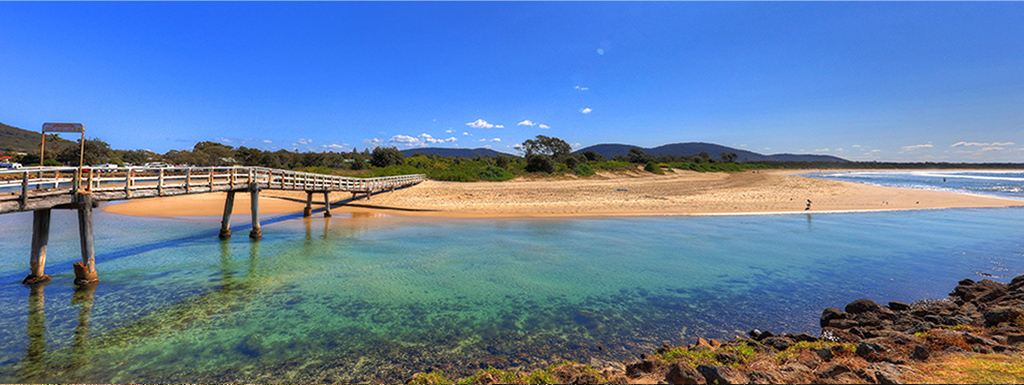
(372, 297)
(999, 184)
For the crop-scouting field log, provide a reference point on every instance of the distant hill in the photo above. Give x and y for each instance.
(454, 152)
(693, 148)
(16, 139)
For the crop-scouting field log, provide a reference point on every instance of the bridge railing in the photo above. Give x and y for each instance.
(18, 184)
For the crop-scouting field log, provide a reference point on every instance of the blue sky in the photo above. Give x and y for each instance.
(863, 81)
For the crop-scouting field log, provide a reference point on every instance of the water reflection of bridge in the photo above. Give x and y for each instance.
(41, 190)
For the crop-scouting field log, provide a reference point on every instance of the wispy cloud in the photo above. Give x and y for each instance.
(304, 141)
(580, 88)
(496, 140)
(526, 123)
(448, 131)
(223, 140)
(994, 144)
(480, 123)
(466, 133)
(267, 141)
(586, 110)
(544, 126)
(992, 149)
(917, 146)
(821, 150)
(855, 146)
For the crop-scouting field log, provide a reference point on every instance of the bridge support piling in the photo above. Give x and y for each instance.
(254, 200)
(85, 271)
(225, 221)
(40, 237)
(327, 204)
(306, 212)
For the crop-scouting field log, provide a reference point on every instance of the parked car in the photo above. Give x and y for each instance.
(10, 166)
(157, 165)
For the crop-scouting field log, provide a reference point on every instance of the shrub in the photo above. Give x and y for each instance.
(540, 163)
(495, 174)
(387, 156)
(653, 168)
(584, 170)
(612, 165)
(571, 162)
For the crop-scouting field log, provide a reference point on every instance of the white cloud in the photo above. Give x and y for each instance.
(544, 126)
(267, 141)
(875, 151)
(223, 140)
(427, 138)
(496, 140)
(449, 131)
(585, 110)
(575, 145)
(487, 146)
(992, 149)
(767, 148)
(839, 149)
(304, 141)
(402, 139)
(373, 142)
(466, 133)
(526, 122)
(855, 146)
(580, 88)
(482, 140)
(334, 147)
(821, 150)
(498, 126)
(480, 123)
(917, 146)
(994, 144)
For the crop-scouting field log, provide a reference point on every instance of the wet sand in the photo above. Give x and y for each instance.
(607, 194)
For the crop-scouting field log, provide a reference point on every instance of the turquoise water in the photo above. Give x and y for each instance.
(999, 184)
(372, 297)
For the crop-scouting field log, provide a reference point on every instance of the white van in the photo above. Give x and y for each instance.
(10, 166)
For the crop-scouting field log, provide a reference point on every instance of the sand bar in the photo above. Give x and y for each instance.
(619, 194)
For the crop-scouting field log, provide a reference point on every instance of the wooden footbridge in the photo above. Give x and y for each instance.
(43, 189)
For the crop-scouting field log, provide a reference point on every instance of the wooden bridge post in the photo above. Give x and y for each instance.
(327, 204)
(40, 237)
(306, 212)
(225, 222)
(160, 184)
(85, 271)
(254, 200)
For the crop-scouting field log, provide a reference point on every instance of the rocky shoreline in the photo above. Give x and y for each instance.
(863, 343)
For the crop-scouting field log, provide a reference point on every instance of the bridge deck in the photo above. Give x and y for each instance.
(48, 187)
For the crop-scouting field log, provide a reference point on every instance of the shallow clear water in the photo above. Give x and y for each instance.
(1000, 184)
(370, 297)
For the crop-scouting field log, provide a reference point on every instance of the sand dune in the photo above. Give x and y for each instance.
(619, 194)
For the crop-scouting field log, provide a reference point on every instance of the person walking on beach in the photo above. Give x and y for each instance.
(808, 205)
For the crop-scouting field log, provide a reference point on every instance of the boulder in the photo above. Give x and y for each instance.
(1002, 314)
(979, 292)
(921, 352)
(1016, 283)
(681, 373)
(828, 315)
(870, 351)
(863, 305)
(898, 306)
(722, 374)
(779, 343)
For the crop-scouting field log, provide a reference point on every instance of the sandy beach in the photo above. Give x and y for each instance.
(607, 194)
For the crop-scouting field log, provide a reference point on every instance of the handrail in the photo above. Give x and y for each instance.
(190, 179)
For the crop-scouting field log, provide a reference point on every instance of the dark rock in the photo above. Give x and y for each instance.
(921, 352)
(921, 327)
(1016, 283)
(681, 373)
(886, 373)
(764, 377)
(843, 323)
(863, 305)
(727, 358)
(955, 349)
(825, 354)
(870, 351)
(1014, 338)
(868, 319)
(834, 370)
(722, 374)
(779, 343)
(1002, 314)
(979, 340)
(979, 292)
(804, 337)
(763, 335)
(960, 319)
(1002, 349)
(898, 306)
(829, 315)
(754, 333)
(637, 369)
